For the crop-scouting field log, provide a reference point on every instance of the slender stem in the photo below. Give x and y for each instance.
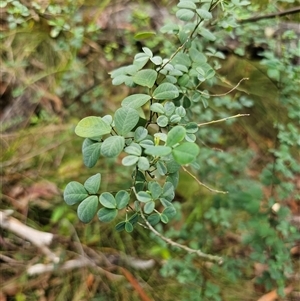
(226, 93)
(223, 119)
(205, 256)
(202, 184)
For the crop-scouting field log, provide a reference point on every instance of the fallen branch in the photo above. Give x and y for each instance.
(198, 252)
(290, 11)
(38, 238)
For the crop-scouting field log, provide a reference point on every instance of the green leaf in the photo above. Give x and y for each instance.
(91, 127)
(192, 127)
(168, 191)
(207, 34)
(172, 165)
(185, 14)
(175, 135)
(174, 119)
(156, 60)
(143, 196)
(147, 51)
(149, 207)
(135, 101)
(91, 152)
(128, 227)
(204, 14)
(169, 108)
(130, 160)
(146, 143)
(162, 121)
(164, 218)
(161, 168)
(165, 91)
(170, 212)
(145, 78)
(120, 226)
(157, 108)
(144, 35)
(125, 120)
(185, 153)
(122, 198)
(112, 146)
(143, 163)
(140, 134)
(107, 215)
(87, 209)
(92, 184)
(108, 200)
(74, 193)
(133, 149)
(158, 150)
(187, 4)
(153, 219)
(155, 190)
(173, 178)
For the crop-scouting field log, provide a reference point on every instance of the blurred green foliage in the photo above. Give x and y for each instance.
(55, 48)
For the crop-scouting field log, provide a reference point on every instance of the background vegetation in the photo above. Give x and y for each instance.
(55, 59)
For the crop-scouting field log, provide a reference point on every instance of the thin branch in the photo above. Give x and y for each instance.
(36, 237)
(226, 93)
(290, 11)
(223, 119)
(202, 255)
(202, 184)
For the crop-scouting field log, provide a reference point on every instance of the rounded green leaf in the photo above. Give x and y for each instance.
(147, 51)
(187, 4)
(74, 193)
(122, 198)
(155, 190)
(149, 207)
(143, 196)
(92, 184)
(112, 146)
(133, 149)
(91, 127)
(140, 134)
(175, 119)
(185, 14)
(107, 215)
(128, 227)
(108, 200)
(135, 101)
(158, 150)
(145, 78)
(165, 91)
(164, 218)
(156, 60)
(125, 120)
(170, 212)
(158, 108)
(207, 34)
(204, 14)
(91, 153)
(175, 135)
(168, 191)
(162, 121)
(153, 219)
(87, 209)
(192, 127)
(185, 153)
(143, 163)
(130, 160)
